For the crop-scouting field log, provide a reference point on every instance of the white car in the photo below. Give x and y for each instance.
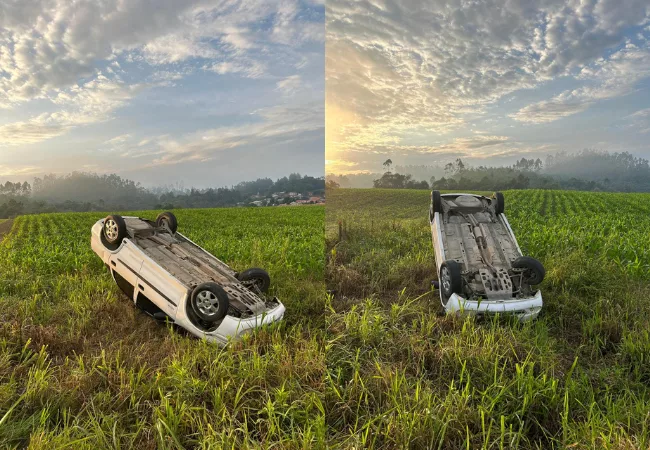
(172, 279)
(480, 266)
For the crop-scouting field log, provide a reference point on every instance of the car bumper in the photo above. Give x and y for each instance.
(232, 328)
(524, 309)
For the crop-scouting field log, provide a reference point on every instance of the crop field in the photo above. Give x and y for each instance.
(403, 375)
(80, 367)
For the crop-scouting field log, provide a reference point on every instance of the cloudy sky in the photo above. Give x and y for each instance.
(422, 82)
(204, 93)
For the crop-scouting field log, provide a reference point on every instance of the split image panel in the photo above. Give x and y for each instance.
(324, 224)
(161, 222)
(487, 167)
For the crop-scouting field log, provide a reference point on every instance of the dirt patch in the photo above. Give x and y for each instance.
(5, 227)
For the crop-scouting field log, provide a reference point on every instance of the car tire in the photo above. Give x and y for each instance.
(209, 302)
(499, 206)
(113, 231)
(534, 270)
(436, 205)
(255, 279)
(167, 220)
(451, 280)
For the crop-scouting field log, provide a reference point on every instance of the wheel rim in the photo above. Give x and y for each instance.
(445, 278)
(207, 303)
(111, 230)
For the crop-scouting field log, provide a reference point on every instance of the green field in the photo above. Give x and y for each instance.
(80, 367)
(400, 374)
(375, 366)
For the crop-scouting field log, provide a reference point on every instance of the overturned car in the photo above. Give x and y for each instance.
(481, 269)
(172, 279)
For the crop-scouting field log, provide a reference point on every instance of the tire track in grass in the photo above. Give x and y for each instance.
(542, 210)
(5, 228)
(554, 201)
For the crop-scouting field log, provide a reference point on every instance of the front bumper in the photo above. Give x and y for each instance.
(232, 328)
(524, 309)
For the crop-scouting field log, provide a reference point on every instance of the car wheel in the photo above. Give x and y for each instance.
(167, 220)
(113, 231)
(436, 204)
(451, 281)
(255, 279)
(209, 302)
(533, 269)
(499, 206)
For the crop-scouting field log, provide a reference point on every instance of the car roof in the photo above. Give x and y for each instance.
(461, 193)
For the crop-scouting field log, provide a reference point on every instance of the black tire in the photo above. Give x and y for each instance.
(167, 220)
(255, 279)
(113, 231)
(499, 207)
(436, 204)
(451, 280)
(209, 302)
(534, 270)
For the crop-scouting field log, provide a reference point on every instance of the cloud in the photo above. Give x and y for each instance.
(640, 120)
(118, 140)
(12, 171)
(565, 104)
(67, 65)
(285, 124)
(244, 67)
(92, 102)
(616, 77)
(290, 86)
(473, 147)
(49, 45)
(401, 69)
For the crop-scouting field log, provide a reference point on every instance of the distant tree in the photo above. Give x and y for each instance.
(11, 209)
(331, 184)
(387, 164)
(399, 181)
(449, 169)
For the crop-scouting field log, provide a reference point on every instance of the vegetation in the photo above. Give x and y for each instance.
(82, 192)
(586, 170)
(401, 375)
(80, 367)
(399, 181)
(375, 365)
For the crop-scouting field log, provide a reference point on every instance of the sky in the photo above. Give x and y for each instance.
(164, 92)
(425, 82)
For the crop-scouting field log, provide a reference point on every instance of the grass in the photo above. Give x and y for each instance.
(375, 366)
(402, 375)
(80, 367)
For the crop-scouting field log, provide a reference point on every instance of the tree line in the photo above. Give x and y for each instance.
(586, 170)
(84, 191)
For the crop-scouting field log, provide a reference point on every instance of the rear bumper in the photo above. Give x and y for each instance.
(524, 309)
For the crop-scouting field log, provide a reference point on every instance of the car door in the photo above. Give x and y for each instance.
(158, 286)
(126, 263)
